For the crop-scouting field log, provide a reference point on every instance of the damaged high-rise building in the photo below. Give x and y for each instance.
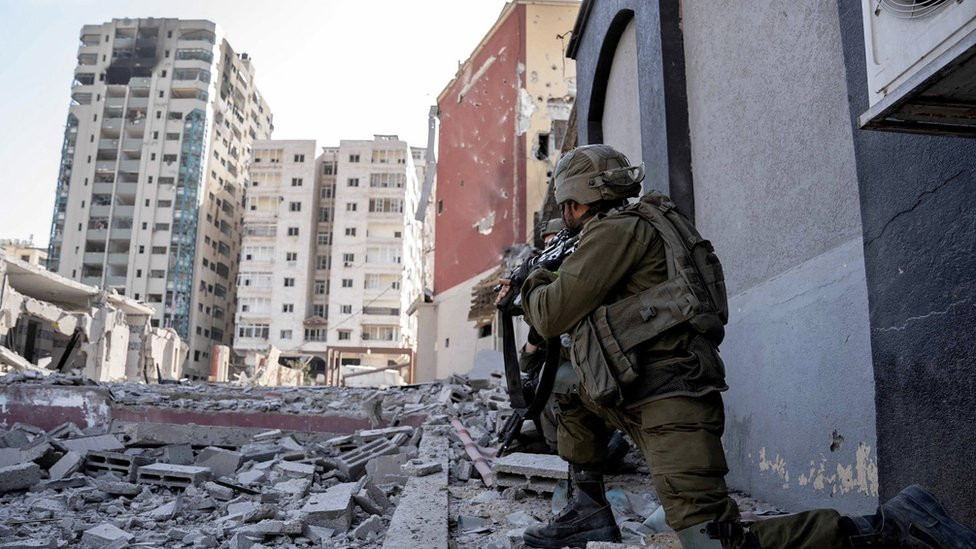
(150, 190)
(503, 119)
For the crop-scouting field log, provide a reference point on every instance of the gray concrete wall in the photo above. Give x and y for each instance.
(776, 191)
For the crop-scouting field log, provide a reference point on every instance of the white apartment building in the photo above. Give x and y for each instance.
(331, 267)
(163, 113)
(375, 275)
(274, 285)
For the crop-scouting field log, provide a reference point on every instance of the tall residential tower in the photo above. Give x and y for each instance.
(150, 191)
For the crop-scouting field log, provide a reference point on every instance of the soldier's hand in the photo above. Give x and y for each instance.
(506, 286)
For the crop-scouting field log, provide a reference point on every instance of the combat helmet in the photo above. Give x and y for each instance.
(592, 173)
(552, 227)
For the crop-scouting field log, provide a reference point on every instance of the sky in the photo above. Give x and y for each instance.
(330, 69)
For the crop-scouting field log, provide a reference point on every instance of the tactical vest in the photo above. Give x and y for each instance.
(694, 293)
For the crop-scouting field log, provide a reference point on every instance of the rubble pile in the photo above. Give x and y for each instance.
(391, 485)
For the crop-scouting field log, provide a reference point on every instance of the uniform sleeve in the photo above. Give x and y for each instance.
(607, 252)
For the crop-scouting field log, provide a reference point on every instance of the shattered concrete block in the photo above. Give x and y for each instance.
(371, 525)
(291, 445)
(222, 493)
(260, 451)
(97, 461)
(296, 487)
(268, 435)
(463, 470)
(164, 512)
(117, 488)
(386, 469)
(317, 534)
(76, 481)
(535, 472)
(251, 477)
(15, 439)
(241, 541)
(352, 464)
(172, 476)
(373, 434)
(68, 464)
(9, 456)
(267, 527)
(41, 453)
(221, 462)
(420, 468)
(67, 429)
(44, 543)
(178, 454)
(84, 445)
(19, 477)
(105, 535)
(331, 509)
(372, 500)
(467, 524)
(296, 470)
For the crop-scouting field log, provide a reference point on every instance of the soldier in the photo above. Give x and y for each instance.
(660, 379)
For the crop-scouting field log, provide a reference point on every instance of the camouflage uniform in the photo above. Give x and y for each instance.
(674, 412)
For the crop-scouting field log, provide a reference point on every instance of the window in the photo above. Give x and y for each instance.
(347, 283)
(352, 182)
(296, 182)
(323, 262)
(315, 334)
(319, 287)
(288, 308)
(385, 205)
(345, 335)
(354, 158)
(252, 331)
(299, 158)
(381, 333)
(346, 309)
(325, 214)
(348, 259)
(387, 180)
(350, 231)
(351, 206)
(289, 282)
(319, 309)
(169, 158)
(385, 255)
(254, 279)
(291, 257)
(158, 249)
(328, 168)
(294, 206)
(323, 238)
(292, 231)
(157, 273)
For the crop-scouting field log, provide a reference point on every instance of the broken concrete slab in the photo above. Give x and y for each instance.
(19, 477)
(117, 488)
(352, 464)
(420, 519)
(535, 472)
(420, 468)
(105, 535)
(387, 432)
(372, 525)
(221, 462)
(84, 445)
(386, 469)
(297, 487)
(68, 464)
(178, 454)
(333, 508)
(251, 477)
(46, 543)
(295, 469)
(172, 476)
(317, 534)
(9, 456)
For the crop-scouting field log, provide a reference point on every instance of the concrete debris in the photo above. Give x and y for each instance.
(140, 466)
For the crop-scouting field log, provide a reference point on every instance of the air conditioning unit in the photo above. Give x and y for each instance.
(921, 65)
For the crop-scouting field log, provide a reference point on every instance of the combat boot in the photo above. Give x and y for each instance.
(586, 517)
(912, 519)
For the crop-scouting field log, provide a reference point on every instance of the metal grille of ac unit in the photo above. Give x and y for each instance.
(909, 9)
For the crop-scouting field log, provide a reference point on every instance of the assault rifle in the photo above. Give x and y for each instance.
(529, 395)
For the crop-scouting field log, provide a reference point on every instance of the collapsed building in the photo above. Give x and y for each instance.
(217, 465)
(51, 323)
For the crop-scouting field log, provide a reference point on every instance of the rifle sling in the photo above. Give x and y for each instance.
(513, 377)
(547, 378)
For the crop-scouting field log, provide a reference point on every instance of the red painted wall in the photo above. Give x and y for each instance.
(480, 163)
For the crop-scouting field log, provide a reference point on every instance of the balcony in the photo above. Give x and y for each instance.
(131, 166)
(118, 259)
(139, 103)
(97, 234)
(94, 258)
(100, 211)
(114, 102)
(105, 166)
(122, 213)
(117, 280)
(102, 188)
(118, 234)
(131, 144)
(92, 280)
(108, 144)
